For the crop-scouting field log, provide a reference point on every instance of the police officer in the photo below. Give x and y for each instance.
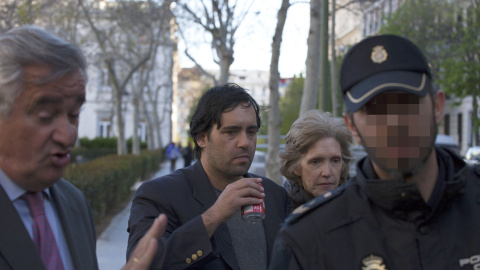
(411, 205)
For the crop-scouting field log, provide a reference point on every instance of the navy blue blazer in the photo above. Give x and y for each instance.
(183, 196)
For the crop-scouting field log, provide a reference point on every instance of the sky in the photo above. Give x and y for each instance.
(252, 50)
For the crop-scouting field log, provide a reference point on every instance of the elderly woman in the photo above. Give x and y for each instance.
(317, 156)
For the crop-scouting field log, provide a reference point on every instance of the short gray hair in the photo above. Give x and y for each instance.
(311, 127)
(29, 45)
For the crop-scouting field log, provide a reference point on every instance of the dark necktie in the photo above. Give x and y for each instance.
(42, 233)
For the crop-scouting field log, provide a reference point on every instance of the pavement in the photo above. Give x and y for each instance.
(112, 243)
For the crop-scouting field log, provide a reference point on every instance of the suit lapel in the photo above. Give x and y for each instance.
(69, 218)
(16, 246)
(272, 220)
(203, 193)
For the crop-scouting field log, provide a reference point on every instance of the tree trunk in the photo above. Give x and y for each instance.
(312, 71)
(225, 63)
(334, 64)
(324, 102)
(136, 120)
(272, 166)
(121, 144)
(157, 118)
(149, 125)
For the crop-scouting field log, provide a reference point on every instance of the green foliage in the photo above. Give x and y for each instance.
(448, 33)
(425, 23)
(82, 154)
(106, 143)
(264, 122)
(290, 104)
(98, 142)
(107, 181)
(143, 145)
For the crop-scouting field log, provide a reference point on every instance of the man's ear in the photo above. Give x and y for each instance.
(351, 127)
(202, 140)
(439, 105)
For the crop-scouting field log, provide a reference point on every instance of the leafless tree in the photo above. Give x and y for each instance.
(317, 55)
(333, 68)
(272, 168)
(219, 18)
(125, 34)
(312, 71)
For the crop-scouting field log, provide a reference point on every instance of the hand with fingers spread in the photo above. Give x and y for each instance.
(147, 247)
(237, 194)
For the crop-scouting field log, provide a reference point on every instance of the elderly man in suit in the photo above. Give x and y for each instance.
(46, 222)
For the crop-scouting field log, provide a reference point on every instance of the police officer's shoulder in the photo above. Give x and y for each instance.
(475, 169)
(315, 203)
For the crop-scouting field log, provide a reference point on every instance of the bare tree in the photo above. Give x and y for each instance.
(272, 168)
(334, 63)
(158, 32)
(312, 71)
(221, 19)
(125, 44)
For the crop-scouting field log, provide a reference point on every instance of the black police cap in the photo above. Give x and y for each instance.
(382, 63)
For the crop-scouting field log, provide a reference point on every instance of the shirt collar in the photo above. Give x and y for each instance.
(13, 190)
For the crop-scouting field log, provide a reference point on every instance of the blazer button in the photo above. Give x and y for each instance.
(188, 260)
(199, 253)
(194, 256)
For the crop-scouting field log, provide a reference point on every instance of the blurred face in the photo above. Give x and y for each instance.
(228, 151)
(397, 130)
(321, 167)
(40, 131)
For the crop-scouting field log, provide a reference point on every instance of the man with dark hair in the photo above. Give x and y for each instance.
(203, 202)
(411, 205)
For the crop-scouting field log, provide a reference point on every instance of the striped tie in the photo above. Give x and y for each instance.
(42, 233)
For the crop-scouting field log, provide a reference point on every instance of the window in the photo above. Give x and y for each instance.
(446, 124)
(104, 129)
(103, 79)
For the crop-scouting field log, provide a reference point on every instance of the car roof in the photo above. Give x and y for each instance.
(445, 139)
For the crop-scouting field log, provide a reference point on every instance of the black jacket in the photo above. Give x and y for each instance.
(183, 196)
(375, 224)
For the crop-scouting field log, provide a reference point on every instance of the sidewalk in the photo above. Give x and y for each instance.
(112, 243)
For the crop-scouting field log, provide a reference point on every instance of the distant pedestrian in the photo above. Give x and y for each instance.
(187, 154)
(173, 152)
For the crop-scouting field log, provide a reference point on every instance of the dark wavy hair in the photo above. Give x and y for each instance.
(212, 104)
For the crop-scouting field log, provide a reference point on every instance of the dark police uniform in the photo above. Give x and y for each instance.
(385, 225)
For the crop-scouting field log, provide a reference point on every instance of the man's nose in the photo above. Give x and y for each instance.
(242, 140)
(65, 132)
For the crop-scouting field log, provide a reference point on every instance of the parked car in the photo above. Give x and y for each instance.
(448, 142)
(258, 164)
(472, 157)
